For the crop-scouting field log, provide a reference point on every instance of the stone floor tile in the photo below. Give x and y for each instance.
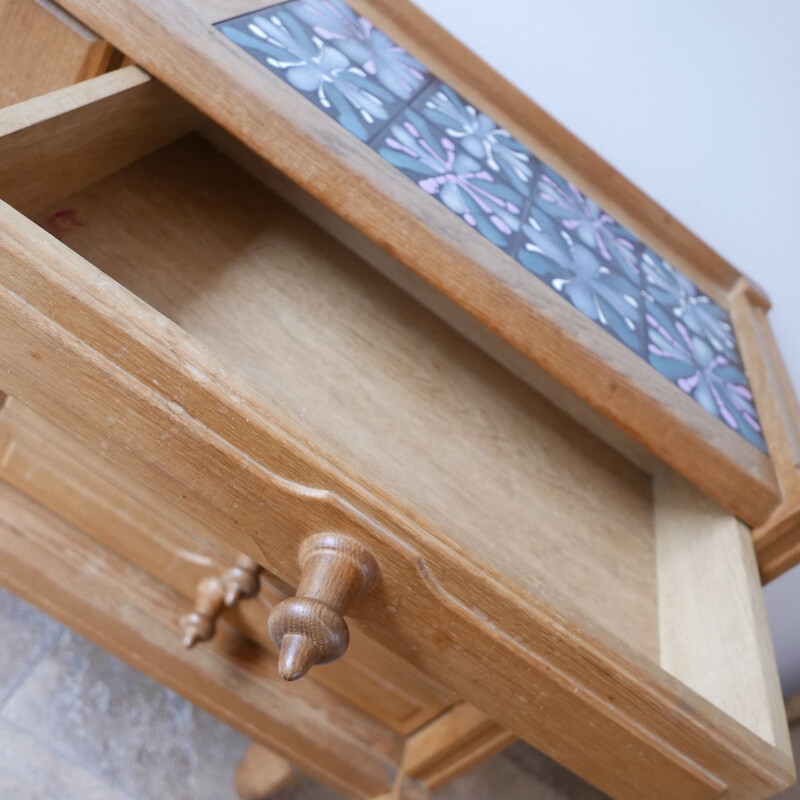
(26, 634)
(142, 738)
(29, 771)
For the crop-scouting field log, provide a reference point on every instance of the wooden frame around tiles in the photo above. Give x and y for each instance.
(508, 312)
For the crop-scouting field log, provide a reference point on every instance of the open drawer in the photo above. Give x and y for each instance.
(189, 325)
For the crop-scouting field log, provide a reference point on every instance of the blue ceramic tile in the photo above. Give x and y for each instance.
(356, 74)
(336, 58)
(579, 270)
(445, 170)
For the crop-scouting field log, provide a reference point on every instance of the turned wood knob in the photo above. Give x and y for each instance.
(310, 629)
(214, 595)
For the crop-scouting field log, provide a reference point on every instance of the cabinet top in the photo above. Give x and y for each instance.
(537, 248)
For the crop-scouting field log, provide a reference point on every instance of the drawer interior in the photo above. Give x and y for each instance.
(380, 384)
(386, 385)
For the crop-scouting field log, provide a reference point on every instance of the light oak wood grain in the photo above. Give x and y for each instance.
(43, 48)
(54, 145)
(91, 589)
(366, 370)
(100, 355)
(218, 10)
(432, 299)
(451, 745)
(49, 466)
(281, 126)
(158, 403)
(42, 469)
(713, 625)
(777, 541)
(261, 773)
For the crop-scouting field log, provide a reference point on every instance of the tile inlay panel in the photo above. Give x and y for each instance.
(380, 93)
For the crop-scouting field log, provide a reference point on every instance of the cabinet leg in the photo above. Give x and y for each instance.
(261, 773)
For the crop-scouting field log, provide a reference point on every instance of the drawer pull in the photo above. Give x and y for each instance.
(216, 593)
(310, 628)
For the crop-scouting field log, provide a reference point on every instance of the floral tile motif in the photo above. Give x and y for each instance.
(444, 169)
(453, 151)
(336, 58)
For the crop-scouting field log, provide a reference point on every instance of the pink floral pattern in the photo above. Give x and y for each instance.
(356, 74)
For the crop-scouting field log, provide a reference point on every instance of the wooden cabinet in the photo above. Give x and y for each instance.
(230, 327)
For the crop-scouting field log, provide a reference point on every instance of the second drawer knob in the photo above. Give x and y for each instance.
(310, 628)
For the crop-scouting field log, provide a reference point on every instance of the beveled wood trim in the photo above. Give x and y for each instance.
(452, 744)
(73, 338)
(281, 126)
(86, 491)
(219, 10)
(465, 71)
(53, 566)
(777, 540)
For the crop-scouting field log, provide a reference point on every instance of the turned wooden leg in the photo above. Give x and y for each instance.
(261, 773)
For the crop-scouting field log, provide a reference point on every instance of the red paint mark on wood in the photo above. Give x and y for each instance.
(63, 222)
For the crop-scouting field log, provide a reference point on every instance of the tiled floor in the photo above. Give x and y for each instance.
(78, 724)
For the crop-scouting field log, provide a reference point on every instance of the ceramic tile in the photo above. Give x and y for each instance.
(27, 635)
(336, 58)
(29, 771)
(356, 74)
(98, 712)
(464, 160)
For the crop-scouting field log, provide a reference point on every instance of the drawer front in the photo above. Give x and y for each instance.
(104, 597)
(177, 416)
(50, 467)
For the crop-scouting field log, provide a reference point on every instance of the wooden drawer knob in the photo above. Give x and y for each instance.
(310, 629)
(214, 595)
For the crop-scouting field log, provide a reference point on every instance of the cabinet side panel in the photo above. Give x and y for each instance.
(714, 634)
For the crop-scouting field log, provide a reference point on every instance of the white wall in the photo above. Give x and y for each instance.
(698, 102)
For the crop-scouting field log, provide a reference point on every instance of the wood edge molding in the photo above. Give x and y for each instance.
(250, 102)
(101, 337)
(777, 540)
(457, 64)
(714, 632)
(141, 631)
(39, 460)
(54, 104)
(451, 745)
(60, 142)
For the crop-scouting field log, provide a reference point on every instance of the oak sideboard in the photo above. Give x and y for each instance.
(348, 394)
